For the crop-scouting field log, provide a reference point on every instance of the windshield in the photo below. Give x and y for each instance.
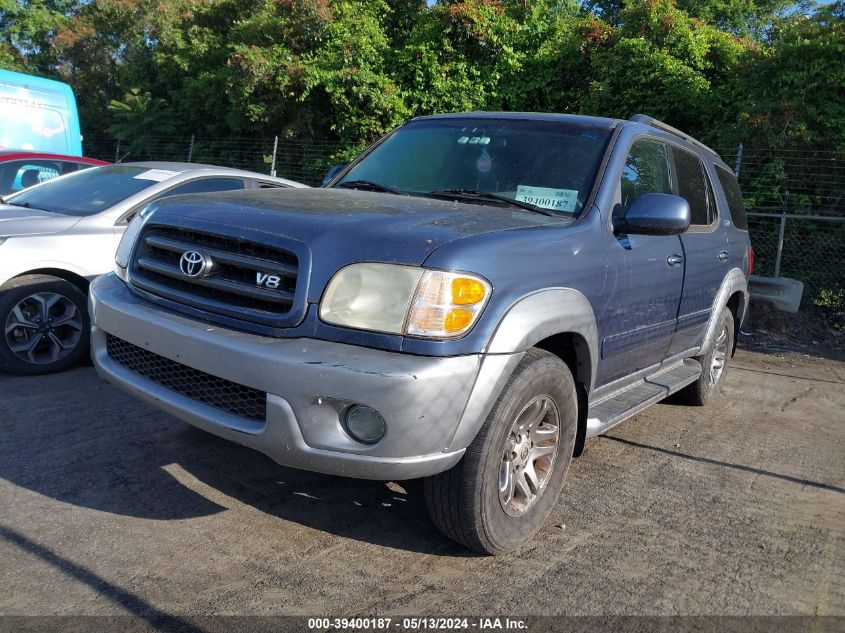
(90, 191)
(548, 164)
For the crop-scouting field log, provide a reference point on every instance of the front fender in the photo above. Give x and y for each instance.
(30, 267)
(531, 319)
(545, 313)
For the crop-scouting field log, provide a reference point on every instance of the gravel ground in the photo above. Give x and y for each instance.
(109, 507)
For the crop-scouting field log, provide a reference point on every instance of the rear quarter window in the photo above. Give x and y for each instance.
(692, 186)
(734, 195)
(207, 185)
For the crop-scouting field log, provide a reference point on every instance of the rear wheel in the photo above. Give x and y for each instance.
(714, 365)
(505, 487)
(45, 325)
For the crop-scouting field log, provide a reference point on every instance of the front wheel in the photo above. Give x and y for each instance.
(45, 325)
(505, 487)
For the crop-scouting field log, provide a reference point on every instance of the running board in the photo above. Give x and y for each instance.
(611, 411)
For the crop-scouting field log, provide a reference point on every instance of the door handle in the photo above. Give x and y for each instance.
(723, 256)
(675, 260)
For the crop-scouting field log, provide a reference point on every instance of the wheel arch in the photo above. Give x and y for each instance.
(76, 279)
(737, 306)
(572, 348)
(558, 320)
(733, 295)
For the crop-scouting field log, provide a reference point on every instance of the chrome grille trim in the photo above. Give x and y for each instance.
(234, 287)
(230, 287)
(233, 259)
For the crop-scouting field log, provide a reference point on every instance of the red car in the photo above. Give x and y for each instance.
(21, 168)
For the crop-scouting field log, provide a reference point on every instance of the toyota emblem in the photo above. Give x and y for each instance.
(193, 264)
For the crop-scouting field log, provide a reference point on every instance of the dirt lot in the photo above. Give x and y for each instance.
(109, 507)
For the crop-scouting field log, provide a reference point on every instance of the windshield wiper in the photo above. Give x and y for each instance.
(28, 205)
(472, 194)
(25, 205)
(369, 185)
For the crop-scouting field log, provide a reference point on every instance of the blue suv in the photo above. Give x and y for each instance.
(467, 301)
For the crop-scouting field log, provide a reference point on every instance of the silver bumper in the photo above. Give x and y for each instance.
(432, 406)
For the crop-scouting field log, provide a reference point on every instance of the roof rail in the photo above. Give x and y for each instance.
(660, 125)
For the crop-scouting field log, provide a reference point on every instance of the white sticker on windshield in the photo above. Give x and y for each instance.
(547, 198)
(157, 175)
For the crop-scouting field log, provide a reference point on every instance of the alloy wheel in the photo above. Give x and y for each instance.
(529, 455)
(43, 328)
(720, 355)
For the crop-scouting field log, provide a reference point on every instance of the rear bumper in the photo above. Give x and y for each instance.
(429, 404)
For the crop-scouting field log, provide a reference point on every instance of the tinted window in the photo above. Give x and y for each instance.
(551, 164)
(20, 174)
(207, 185)
(646, 171)
(90, 191)
(693, 186)
(734, 196)
(68, 167)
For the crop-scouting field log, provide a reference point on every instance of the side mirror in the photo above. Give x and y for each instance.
(333, 171)
(654, 214)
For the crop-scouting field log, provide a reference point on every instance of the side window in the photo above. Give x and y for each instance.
(33, 172)
(734, 196)
(207, 185)
(692, 185)
(270, 185)
(68, 167)
(646, 171)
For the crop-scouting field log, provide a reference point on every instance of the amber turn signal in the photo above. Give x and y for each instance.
(467, 291)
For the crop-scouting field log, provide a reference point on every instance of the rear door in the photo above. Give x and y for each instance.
(705, 253)
(645, 274)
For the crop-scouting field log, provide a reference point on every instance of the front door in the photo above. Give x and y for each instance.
(645, 274)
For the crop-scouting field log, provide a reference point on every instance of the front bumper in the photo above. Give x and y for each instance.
(432, 406)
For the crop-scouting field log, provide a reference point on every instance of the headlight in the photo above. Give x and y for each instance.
(371, 297)
(124, 249)
(404, 300)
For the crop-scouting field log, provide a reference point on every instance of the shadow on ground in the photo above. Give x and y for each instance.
(94, 447)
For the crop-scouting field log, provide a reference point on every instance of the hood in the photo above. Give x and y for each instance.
(353, 225)
(20, 222)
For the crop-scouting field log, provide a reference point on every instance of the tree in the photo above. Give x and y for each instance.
(664, 63)
(740, 17)
(794, 91)
(27, 28)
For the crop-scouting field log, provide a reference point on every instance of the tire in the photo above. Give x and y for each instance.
(709, 386)
(49, 309)
(465, 502)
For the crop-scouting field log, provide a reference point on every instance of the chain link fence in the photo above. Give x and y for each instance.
(302, 160)
(795, 198)
(796, 209)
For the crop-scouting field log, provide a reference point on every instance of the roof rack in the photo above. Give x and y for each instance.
(660, 125)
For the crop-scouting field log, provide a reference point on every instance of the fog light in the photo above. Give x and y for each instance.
(365, 424)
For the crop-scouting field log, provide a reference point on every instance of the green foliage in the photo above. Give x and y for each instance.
(138, 114)
(794, 89)
(742, 17)
(349, 70)
(457, 55)
(26, 29)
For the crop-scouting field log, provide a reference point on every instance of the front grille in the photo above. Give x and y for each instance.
(228, 396)
(230, 285)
